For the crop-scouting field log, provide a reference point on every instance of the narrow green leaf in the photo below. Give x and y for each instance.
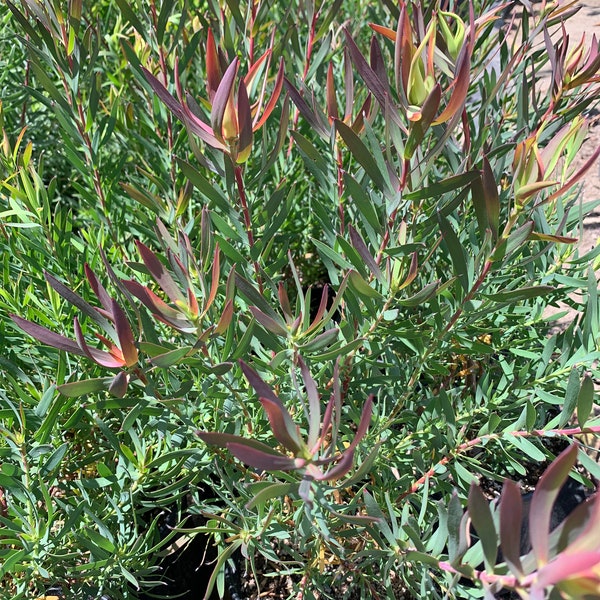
(481, 517)
(525, 293)
(571, 398)
(420, 297)
(363, 155)
(585, 400)
(442, 187)
(130, 15)
(457, 252)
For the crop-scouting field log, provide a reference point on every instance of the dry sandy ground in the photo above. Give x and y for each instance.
(586, 22)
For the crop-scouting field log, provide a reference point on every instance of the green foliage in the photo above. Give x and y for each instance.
(280, 273)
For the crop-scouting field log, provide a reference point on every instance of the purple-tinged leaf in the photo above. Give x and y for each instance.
(118, 386)
(484, 191)
(80, 303)
(377, 63)
(265, 461)
(284, 428)
(165, 96)
(348, 87)
(546, 492)
(325, 425)
(284, 301)
(375, 85)
(225, 125)
(365, 420)
(273, 100)
(412, 271)
(225, 318)
(98, 356)
(47, 337)
(421, 296)
(359, 123)
(552, 238)
(98, 288)
(310, 115)
(588, 540)
(314, 404)
(160, 274)
(126, 340)
(213, 67)
(268, 323)
(566, 566)
(511, 510)
(221, 440)
(460, 84)
(244, 139)
(359, 245)
(421, 121)
(323, 340)
(321, 310)
(332, 106)
(161, 310)
(481, 517)
(214, 283)
(589, 163)
(341, 467)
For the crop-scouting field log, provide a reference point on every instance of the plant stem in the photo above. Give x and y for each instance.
(239, 179)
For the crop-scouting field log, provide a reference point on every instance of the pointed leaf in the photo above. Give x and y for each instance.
(314, 404)
(222, 99)
(75, 389)
(481, 517)
(160, 274)
(511, 511)
(270, 324)
(46, 336)
(421, 296)
(313, 119)
(265, 461)
(222, 440)
(273, 100)
(126, 339)
(359, 245)
(524, 293)
(98, 356)
(284, 428)
(244, 143)
(361, 154)
(213, 68)
(165, 96)
(341, 467)
(80, 303)
(542, 501)
(225, 318)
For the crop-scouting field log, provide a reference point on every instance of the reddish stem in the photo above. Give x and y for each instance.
(239, 179)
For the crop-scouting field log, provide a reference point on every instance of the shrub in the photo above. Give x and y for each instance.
(297, 290)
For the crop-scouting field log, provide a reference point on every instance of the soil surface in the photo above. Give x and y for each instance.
(584, 24)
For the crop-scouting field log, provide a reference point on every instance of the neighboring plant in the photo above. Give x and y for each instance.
(566, 558)
(365, 240)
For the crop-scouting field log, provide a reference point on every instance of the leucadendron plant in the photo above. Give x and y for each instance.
(276, 277)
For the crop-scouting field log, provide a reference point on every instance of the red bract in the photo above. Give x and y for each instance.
(232, 119)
